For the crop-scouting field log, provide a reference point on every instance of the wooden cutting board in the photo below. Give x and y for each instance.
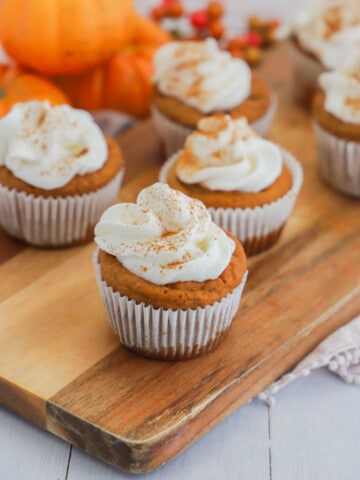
(62, 368)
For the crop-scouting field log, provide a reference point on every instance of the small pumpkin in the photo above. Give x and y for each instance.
(19, 86)
(64, 36)
(124, 82)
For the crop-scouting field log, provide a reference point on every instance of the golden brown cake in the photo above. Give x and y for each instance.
(253, 107)
(333, 124)
(58, 174)
(177, 295)
(325, 37)
(196, 79)
(78, 185)
(233, 199)
(248, 184)
(170, 279)
(336, 115)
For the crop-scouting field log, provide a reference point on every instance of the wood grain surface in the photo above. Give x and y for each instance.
(62, 367)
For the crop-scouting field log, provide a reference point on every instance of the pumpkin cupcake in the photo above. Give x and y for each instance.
(249, 184)
(170, 279)
(326, 36)
(336, 114)
(57, 174)
(197, 79)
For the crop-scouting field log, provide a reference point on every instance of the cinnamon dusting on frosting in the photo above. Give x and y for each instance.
(202, 75)
(332, 19)
(226, 154)
(164, 246)
(342, 94)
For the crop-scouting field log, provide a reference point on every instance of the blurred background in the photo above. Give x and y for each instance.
(236, 11)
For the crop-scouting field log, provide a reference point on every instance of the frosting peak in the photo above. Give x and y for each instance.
(331, 31)
(165, 237)
(201, 75)
(47, 146)
(342, 94)
(226, 154)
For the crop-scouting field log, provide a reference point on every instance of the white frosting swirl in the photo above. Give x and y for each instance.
(342, 94)
(47, 146)
(201, 75)
(331, 31)
(226, 154)
(165, 237)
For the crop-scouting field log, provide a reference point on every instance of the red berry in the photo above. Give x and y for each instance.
(253, 39)
(199, 19)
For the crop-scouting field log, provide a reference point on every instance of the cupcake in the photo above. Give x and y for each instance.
(249, 184)
(326, 36)
(170, 279)
(336, 114)
(197, 79)
(57, 174)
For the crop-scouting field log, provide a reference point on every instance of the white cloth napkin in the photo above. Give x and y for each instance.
(339, 352)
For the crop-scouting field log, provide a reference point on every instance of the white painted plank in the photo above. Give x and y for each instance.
(315, 430)
(28, 453)
(236, 449)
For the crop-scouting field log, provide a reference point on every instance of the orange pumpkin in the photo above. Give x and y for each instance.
(64, 36)
(19, 86)
(124, 82)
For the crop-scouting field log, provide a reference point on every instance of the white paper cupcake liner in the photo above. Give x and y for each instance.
(257, 228)
(174, 135)
(306, 72)
(55, 222)
(339, 161)
(165, 333)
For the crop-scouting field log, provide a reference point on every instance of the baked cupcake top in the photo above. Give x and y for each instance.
(48, 146)
(226, 154)
(330, 30)
(165, 237)
(225, 164)
(342, 94)
(201, 75)
(336, 105)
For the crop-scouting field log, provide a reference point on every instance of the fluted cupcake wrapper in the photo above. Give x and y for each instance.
(165, 333)
(174, 134)
(306, 72)
(58, 221)
(339, 161)
(257, 228)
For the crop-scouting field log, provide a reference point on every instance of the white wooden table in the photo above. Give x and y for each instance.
(311, 433)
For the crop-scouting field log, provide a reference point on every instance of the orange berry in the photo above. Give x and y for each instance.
(253, 55)
(216, 28)
(255, 23)
(158, 13)
(237, 53)
(175, 10)
(215, 10)
(273, 24)
(237, 43)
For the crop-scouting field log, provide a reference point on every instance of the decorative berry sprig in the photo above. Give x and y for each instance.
(168, 8)
(208, 22)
